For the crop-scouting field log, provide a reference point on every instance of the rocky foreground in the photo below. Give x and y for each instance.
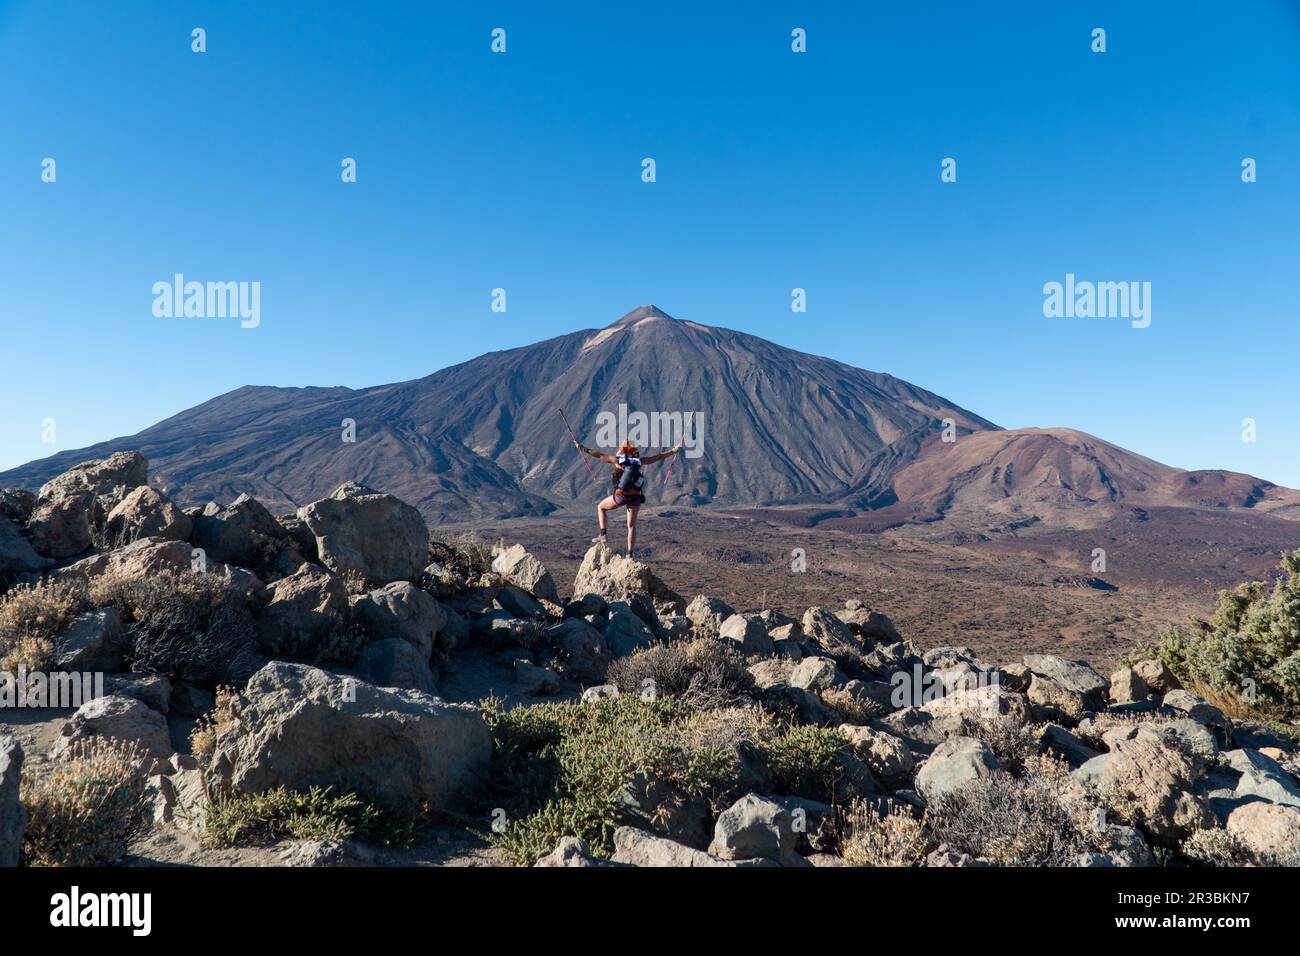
(323, 661)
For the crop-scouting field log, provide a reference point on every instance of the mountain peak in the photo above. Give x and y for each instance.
(640, 314)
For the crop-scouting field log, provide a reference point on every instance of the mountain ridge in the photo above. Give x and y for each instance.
(483, 439)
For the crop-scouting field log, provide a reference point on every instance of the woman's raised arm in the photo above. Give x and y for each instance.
(661, 456)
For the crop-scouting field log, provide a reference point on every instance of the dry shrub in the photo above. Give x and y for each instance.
(354, 582)
(848, 709)
(1040, 819)
(1015, 746)
(216, 722)
(87, 807)
(465, 553)
(1215, 847)
(186, 626)
(32, 616)
(1231, 704)
(703, 671)
(892, 838)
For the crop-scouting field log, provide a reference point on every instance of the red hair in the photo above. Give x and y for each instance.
(627, 448)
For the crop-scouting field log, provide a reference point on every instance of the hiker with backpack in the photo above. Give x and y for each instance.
(628, 481)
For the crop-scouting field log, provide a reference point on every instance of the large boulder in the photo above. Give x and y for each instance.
(953, 764)
(363, 531)
(17, 556)
(73, 506)
(707, 614)
(122, 719)
(888, 756)
(13, 818)
(867, 623)
(139, 559)
(615, 577)
(633, 847)
(16, 504)
(625, 632)
(1127, 686)
(1156, 675)
(1075, 676)
(523, 570)
(62, 527)
(1150, 777)
(300, 726)
(1262, 778)
(106, 478)
(401, 610)
(394, 663)
(304, 610)
(988, 702)
(583, 650)
(144, 513)
(815, 673)
(243, 533)
(747, 633)
(1198, 709)
(1271, 833)
(830, 633)
(92, 642)
(755, 828)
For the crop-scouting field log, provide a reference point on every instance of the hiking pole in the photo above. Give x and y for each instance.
(581, 454)
(672, 461)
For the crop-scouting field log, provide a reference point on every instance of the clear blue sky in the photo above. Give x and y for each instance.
(775, 170)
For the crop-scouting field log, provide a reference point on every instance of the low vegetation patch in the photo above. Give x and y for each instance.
(559, 768)
(894, 838)
(186, 626)
(1038, 819)
(705, 672)
(31, 617)
(318, 814)
(86, 808)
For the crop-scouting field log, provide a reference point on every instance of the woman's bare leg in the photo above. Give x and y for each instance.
(631, 527)
(602, 509)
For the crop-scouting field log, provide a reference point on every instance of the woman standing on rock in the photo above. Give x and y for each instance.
(628, 480)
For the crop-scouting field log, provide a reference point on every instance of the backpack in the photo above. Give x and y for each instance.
(627, 474)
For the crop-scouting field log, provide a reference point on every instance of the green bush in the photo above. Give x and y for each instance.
(319, 814)
(1253, 639)
(559, 767)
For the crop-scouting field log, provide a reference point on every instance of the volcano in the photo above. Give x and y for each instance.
(779, 428)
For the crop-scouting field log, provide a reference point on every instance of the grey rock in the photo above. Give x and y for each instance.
(707, 614)
(755, 828)
(152, 690)
(748, 634)
(954, 763)
(300, 726)
(121, 719)
(394, 663)
(92, 642)
(401, 610)
(522, 569)
(13, 817)
(372, 534)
